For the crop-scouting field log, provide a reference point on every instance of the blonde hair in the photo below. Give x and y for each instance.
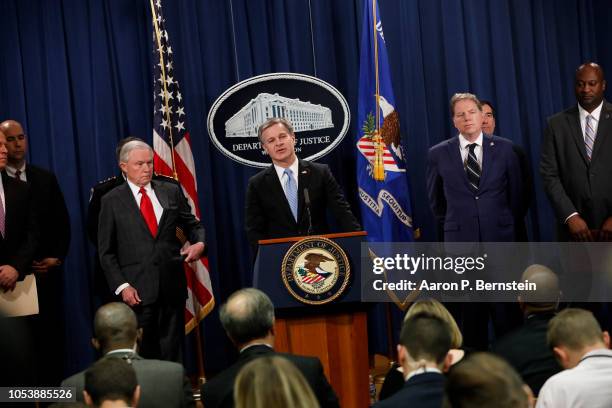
(434, 308)
(272, 382)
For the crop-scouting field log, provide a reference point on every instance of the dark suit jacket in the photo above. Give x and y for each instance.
(54, 222)
(268, 214)
(422, 390)
(128, 252)
(19, 245)
(162, 383)
(526, 350)
(488, 215)
(219, 391)
(572, 182)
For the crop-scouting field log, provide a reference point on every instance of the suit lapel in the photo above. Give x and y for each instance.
(10, 204)
(573, 121)
(162, 196)
(274, 187)
(454, 153)
(603, 128)
(488, 156)
(127, 198)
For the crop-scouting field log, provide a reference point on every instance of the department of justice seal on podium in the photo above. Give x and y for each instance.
(316, 270)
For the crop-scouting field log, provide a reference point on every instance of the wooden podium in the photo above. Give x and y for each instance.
(336, 332)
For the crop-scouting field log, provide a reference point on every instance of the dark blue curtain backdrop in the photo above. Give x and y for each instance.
(77, 74)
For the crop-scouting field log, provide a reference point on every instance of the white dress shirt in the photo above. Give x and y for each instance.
(463, 144)
(594, 123)
(12, 171)
(587, 385)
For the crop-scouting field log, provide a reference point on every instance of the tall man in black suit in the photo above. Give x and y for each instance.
(141, 254)
(576, 161)
(18, 225)
(248, 319)
(162, 383)
(52, 248)
(291, 197)
(423, 353)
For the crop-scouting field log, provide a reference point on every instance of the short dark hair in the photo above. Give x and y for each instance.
(484, 102)
(110, 379)
(274, 121)
(573, 328)
(115, 324)
(484, 380)
(247, 315)
(426, 337)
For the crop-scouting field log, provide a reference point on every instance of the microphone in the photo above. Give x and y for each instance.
(308, 214)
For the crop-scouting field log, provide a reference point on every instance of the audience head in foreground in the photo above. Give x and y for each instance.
(111, 382)
(484, 380)
(547, 295)
(272, 382)
(115, 327)
(248, 317)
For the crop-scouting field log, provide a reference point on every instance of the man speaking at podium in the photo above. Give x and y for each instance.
(290, 198)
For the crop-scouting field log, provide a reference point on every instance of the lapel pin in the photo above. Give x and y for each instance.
(492, 144)
(304, 171)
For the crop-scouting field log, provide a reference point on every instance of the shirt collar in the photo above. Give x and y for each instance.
(422, 370)
(281, 170)
(11, 171)
(256, 344)
(596, 112)
(135, 189)
(464, 142)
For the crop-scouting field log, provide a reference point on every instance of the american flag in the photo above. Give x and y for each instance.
(173, 157)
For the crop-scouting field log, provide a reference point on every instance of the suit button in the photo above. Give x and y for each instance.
(476, 197)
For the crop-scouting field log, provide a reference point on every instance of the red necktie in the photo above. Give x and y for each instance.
(146, 208)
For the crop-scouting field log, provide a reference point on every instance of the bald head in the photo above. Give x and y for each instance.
(16, 142)
(247, 315)
(115, 326)
(589, 85)
(547, 293)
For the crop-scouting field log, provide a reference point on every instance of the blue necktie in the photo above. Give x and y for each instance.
(589, 136)
(291, 192)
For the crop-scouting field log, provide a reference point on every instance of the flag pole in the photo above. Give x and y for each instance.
(162, 66)
(379, 166)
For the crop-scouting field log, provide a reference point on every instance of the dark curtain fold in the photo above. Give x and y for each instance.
(77, 74)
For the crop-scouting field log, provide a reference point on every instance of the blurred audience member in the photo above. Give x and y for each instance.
(583, 350)
(394, 380)
(484, 380)
(423, 353)
(526, 348)
(272, 382)
(116, 331)
(248, 320)
(110, 383)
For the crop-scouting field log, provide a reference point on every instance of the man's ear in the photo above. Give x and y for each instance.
(88, 399)
(606, 338)
(123, 167)
(447, 363)
(136, 396)
(562, 356)
(95, 343)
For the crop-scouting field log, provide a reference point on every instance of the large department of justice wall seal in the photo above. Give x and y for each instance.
(318, 111)
(316, 270)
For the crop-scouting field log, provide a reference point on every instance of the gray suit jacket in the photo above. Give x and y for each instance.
(572, 182)
(128, 252)
(162, 383)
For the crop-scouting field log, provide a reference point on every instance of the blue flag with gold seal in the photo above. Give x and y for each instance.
(381, 169)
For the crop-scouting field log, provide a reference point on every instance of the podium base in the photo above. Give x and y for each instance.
(340, 341)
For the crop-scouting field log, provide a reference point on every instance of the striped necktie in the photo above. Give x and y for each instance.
(472, 168)
(589, 135)
(291, 192)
